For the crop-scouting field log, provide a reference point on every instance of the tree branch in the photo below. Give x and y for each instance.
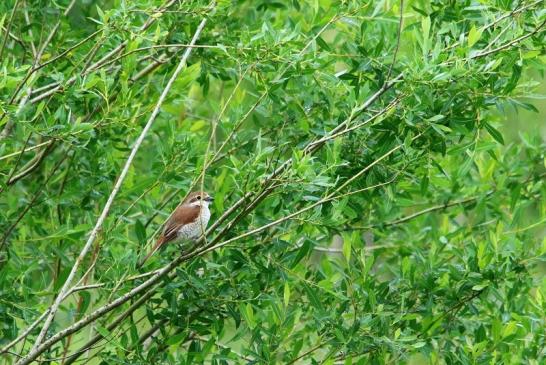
(420, 213)
(509, 44)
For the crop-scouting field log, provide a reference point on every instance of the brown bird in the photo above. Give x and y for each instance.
(187, 223)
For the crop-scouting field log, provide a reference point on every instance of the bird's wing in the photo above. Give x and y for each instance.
(179, 218)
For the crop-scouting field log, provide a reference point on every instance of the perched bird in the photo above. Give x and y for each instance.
(187, 223)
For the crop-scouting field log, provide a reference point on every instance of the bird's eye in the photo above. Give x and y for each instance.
(198, 197)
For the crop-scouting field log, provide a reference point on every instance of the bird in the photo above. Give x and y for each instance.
(187, 223)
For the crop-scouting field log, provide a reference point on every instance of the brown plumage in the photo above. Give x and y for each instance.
(184, 223)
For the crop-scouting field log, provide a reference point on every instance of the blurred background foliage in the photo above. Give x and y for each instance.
(421, 239)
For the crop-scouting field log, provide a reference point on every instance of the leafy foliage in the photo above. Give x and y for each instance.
(380, 215)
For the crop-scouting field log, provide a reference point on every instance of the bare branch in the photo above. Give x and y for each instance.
(33, 164)
(13, 154)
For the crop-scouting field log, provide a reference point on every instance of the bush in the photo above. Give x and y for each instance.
(369, 207)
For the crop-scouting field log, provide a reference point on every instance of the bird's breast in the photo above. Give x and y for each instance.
(197, 228)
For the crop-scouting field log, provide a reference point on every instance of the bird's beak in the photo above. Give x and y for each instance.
(209, 198)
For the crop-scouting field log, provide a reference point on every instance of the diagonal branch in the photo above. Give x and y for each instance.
(398, 36)
(511, 43)
(421, 212)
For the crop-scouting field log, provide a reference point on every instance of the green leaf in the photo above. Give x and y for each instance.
(82, 127)
(303, 251)
(173, 340)
(286, 295)
(140, 231)
(323, 44)
(61, 278)
(494, 133)
(480, 287)
(425, 27)
(85, 300)
(347, 249)
(313, 297)
(102, 331)
(250, 316)
(188, 75)
(197, 125)
(473, 36)
(436, 118)
(509, 329)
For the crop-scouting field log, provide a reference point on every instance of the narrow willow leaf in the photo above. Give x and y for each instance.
(347, 249)
(286, 294)
(140, 231)
(425, 27)
(103, 331)
(474, 35)
(494, 133)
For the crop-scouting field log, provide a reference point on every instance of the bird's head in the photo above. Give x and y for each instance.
(198, 198)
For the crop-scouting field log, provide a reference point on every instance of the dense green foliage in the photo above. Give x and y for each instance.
(381, 217)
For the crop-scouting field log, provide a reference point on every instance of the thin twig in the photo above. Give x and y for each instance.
(509, 44)
(33, 164)
(421, 212)
(32, 201)
(14, 168)
(27, 21)
(8, 28)
(308, 352)
(398, 36)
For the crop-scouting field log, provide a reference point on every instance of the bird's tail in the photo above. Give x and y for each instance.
(156, 247)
